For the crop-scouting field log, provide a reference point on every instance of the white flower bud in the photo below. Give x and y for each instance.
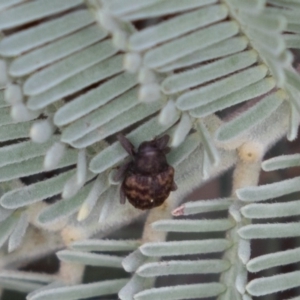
(149, 92)
(20, 113)
(41, 131)
(81, 167)
(106, 20)
(119, 39)
(146, 76)
(182, 130)
(54, 155)
(132, 62)
(13, 94)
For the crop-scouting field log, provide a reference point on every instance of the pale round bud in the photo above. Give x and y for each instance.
(81, 167)
(54, 155)
(149, 92)
(119, 39)
(168, 113)
(91, 200)
(234, 211)
(106, 20)
(182, 130)
(41, 131)
(20, 113)
(241, 280)
(132, 62)
(146, 76)
(71, 188)
(13, 94)
(244, 250)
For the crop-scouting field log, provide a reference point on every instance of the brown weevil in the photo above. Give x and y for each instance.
(148, 178)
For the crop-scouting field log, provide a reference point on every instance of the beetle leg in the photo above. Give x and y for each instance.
(162, 142)
(121, 171)
(122, 196)
(126, 144)
(174, 186)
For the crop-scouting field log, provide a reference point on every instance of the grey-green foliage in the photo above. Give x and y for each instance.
(87, 70)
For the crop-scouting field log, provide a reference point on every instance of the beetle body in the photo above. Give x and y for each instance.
(148, 178)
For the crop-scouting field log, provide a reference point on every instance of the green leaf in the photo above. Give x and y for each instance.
(193, 225)
(188, 291)
(270, 24)
(101, 116)
(90, 259)
(177, 267)
(202, 206)
(249, 92)
(18, 233)
(33, 11)
(161, 8)
(93, 74)
(26, 276)
(253, 116)
(4, 213)
(269, 191)
(68, 67)
(81, 291)
(38, 58)
(209, 147)
(221, 88)
(197, 76)
(93, 99)
(118, 7)
(293, 123)
(183, 23)
(273, 284)
(33, 37)
(105, 245)
(183, 151)
(187, 44)
(134, 260)
(270, 231)
(272, 210)
(184, 247)
(3, 103)
(8, 3)
(35, 192)
(271, 260)
(22, 151)
(64, 207)
(124, 120)
(15, 131)
(34, 166)
(5, 117)
(6, 228)
(135, 285)
(19, 285)
(221, 49)
(281, 162)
